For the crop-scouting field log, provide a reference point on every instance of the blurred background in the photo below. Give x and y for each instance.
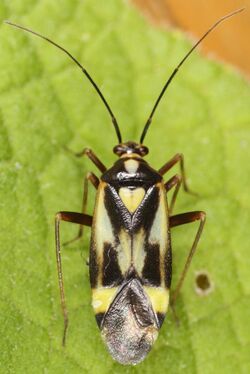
(230, 42)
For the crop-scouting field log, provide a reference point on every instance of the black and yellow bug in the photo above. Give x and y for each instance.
(130, 263)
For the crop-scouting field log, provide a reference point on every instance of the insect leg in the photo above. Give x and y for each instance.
(182, 219)
(90, 177)
(91, 155)
(175, 181)
(82, 219)
(168, 165)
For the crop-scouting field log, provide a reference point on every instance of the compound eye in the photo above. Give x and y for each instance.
(143, 150)
(118, 150)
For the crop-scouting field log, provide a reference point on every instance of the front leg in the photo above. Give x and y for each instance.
(168, 165)
(79, 218)
(91, 155)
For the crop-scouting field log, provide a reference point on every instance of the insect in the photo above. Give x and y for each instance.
(130, 264)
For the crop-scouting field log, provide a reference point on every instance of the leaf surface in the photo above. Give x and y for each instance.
(46, 104)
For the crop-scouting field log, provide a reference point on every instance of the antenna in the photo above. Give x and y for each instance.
(145, 129)
(114, 121)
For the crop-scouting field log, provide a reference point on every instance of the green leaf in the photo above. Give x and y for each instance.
(46, 104)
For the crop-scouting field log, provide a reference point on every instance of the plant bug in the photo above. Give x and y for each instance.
(130, 263)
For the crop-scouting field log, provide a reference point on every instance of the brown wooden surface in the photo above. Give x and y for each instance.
(230, 42)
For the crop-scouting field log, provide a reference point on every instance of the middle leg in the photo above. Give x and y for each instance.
(175, 181)
(90, 177)
(181, 219)
(79, 218)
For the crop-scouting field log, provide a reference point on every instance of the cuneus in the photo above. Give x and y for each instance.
(130, 263)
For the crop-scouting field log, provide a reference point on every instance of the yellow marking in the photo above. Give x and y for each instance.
(102, 298)
(159, 297)
(131, 198)
(131, 166)
(130, 155)
(138, 251)
(124, 251)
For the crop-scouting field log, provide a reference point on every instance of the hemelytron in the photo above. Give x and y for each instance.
(130, 263)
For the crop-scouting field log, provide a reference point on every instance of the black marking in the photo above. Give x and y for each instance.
(131, 273)
(111, 273)
(140, 309)
(93, 267)
(168, 264)
(145, 214)
(160, 318)
(119, 215)
(121, 218)
(118, 176)
(151, 270)
(99, 319)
